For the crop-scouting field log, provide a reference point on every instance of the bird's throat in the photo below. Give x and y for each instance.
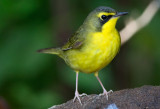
(110, 25)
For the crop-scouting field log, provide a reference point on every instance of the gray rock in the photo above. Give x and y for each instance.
(146, 97)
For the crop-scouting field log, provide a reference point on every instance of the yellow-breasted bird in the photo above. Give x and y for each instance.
(93, 45)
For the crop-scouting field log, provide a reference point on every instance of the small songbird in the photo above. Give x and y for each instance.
(93, 46)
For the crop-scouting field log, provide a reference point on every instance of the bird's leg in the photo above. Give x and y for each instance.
(104, 90)
(77, 95)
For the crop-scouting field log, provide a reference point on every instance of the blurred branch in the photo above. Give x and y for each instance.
(3, 104)
(62, 15)
(135, 25)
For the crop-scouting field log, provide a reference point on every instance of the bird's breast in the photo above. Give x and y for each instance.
(98, 51)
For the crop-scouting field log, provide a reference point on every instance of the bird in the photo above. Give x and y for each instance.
(93, 46)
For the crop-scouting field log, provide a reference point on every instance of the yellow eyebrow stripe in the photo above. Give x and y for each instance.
(104, 13)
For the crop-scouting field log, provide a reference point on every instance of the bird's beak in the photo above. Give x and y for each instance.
(120, 14)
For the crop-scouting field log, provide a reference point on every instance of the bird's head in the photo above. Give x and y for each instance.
(103, 18)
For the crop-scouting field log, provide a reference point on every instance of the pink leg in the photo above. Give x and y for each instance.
(104, 90)
(77, 95)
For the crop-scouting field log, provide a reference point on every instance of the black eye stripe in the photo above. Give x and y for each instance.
(105, 18)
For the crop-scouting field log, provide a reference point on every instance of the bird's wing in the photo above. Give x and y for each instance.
(75, 41)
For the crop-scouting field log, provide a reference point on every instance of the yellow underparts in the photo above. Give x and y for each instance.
(99, 50)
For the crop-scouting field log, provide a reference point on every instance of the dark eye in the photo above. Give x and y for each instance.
(104, 17)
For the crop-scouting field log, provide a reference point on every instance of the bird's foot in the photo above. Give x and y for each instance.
(106, 93)
(77, 95)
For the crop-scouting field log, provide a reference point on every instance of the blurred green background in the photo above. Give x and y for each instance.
(29, 80)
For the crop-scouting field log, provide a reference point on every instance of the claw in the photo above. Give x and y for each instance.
(77, 95)
(106, 93)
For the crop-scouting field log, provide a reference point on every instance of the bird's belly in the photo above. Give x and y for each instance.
(96, 55)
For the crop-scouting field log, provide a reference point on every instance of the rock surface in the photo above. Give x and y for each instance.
(146, 97)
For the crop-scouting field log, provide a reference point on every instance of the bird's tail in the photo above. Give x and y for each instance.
(56, 51)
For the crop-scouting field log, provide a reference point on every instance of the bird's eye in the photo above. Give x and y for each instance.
(104, 17)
